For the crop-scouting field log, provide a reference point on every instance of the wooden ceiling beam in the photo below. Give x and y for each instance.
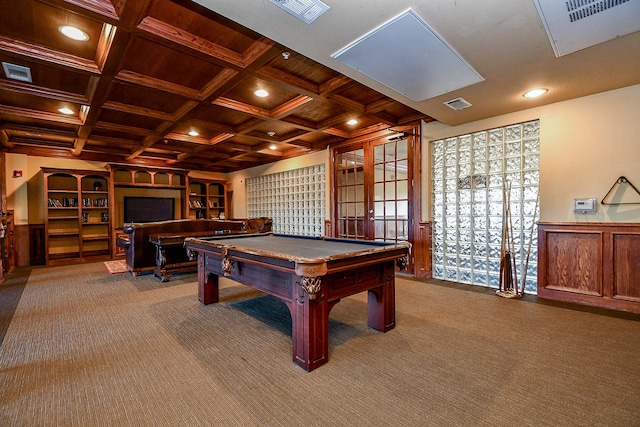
(140, 111)
(288, 107)
(232, 104)
(45, 54)
(153, 83)
(42, 92)
(40, 115)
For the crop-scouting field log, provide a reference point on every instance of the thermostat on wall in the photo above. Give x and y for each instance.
(584, 205)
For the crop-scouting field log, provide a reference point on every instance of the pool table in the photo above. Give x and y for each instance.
(309, 274)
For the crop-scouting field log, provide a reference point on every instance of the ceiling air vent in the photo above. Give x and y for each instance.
(579, 9)
(457, 104)
(305, 10)
(573, 25)
(17, 72)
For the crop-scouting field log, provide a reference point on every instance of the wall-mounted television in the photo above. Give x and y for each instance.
(148, 209)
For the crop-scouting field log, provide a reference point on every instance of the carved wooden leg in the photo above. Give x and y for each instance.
(208, 290)
(161, 262)
(310, 329)
(381, 307)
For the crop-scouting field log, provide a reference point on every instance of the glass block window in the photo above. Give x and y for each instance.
(294, 200)
(470, 173)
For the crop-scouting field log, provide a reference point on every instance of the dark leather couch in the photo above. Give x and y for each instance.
(140, 253)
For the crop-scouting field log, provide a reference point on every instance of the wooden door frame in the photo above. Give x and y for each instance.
(413, 134)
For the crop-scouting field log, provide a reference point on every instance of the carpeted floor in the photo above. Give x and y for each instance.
(84, 347)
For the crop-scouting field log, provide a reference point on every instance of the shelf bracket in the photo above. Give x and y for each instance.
(620, 181)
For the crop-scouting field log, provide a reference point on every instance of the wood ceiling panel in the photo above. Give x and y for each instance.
(42, 22)
(47, 76)
(144, 98)
(128, 119)
(303, 68)
(223, 116)
(244, 93)
(318, 111)
(205, 24)
(160, 62)
(122, 134)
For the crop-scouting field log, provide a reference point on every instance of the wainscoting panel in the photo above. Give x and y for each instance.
(422, 251)
(573, 262)
(595, 264)
(626, 266)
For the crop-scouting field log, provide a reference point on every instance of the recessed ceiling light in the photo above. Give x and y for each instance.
(272, 147)
(261, 93)
(352, 122)
(271, 133)
(74, 33)
(65, 110)
(535, 93)
(193, 133)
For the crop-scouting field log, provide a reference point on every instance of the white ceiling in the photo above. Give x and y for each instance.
(503, 40)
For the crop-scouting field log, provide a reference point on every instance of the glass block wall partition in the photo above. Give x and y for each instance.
(470, 174)
(294, 199)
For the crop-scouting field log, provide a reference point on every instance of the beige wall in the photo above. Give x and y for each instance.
(236, 180)
(585, 145)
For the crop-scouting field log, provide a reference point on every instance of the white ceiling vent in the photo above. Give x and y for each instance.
(573, 25)
(457, 103)
(17, 72)
(306, 10)
(423, 68)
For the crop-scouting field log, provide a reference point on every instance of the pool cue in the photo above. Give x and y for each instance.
(533, 226)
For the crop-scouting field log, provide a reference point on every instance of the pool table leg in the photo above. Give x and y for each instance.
(310, 329)
(208, 289)
(381, 306)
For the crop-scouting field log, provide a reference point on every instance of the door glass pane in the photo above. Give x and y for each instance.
(389, 171)
(379, 210)
(402, 209)
(401, 149)
(378, 191)
(390, 151)
(378, 173)
(378, 154)
(390, 190)
(403, 189)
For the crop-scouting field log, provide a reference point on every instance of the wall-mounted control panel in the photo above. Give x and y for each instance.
(584, 206)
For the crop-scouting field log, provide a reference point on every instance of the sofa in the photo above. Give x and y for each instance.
(141, 253)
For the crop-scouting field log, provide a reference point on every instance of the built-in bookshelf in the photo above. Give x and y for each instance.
(77, 220)
(206, 199)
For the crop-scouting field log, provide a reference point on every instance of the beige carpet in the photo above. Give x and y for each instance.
(85, 348)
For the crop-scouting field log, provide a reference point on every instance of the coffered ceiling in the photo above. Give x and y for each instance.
(152, 71)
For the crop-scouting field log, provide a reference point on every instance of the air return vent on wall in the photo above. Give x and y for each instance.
(573, 25)
(306, 10)
(17, 72)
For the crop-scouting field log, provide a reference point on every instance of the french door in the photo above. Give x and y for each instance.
(373, 197)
